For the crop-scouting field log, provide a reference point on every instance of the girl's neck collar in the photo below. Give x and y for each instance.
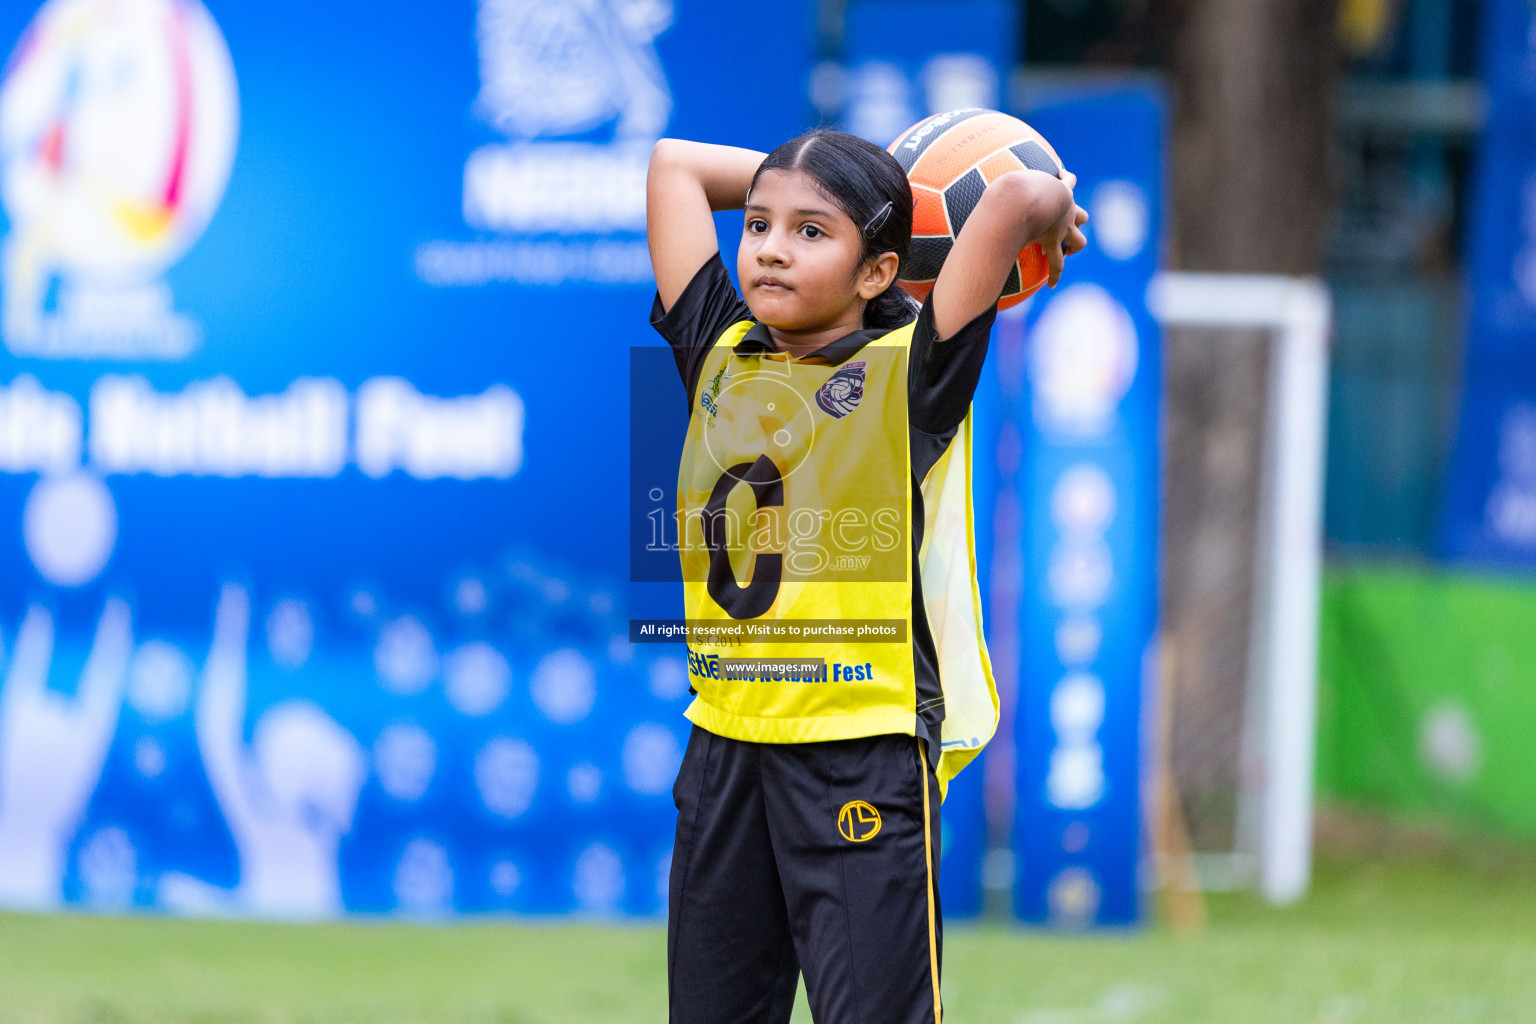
(805, 343)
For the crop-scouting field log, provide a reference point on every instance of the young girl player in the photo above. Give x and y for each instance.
(824, 487)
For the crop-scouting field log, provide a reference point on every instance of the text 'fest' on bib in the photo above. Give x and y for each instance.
(795, 509)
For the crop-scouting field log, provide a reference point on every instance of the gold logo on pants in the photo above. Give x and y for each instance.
(858, 821)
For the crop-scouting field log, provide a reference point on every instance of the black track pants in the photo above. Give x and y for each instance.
(813, 857)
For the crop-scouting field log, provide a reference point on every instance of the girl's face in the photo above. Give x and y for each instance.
(799, 262)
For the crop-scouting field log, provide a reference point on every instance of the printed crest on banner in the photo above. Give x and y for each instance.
(841, 394)
(118, 123)
(569, 66)
(1082, 362)
(577, 89)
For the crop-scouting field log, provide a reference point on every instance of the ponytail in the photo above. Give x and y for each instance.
(890, 309)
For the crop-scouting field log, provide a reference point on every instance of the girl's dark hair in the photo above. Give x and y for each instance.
(872, 190)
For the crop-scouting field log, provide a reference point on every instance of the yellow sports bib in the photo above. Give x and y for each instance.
(795, 513)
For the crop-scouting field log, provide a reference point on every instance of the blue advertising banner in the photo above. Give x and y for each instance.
(906, 59)
(1490, 493)
(313, 447)
(1084, 410)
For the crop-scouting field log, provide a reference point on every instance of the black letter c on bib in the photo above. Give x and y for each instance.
(757, 597)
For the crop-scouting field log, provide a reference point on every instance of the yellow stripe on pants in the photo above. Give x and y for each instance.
(933, 947)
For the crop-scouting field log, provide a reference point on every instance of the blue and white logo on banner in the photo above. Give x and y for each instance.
(118, 127)
(579, 95)
(894, 76)
(1087, 416)
(313, 446)
(1490, 489)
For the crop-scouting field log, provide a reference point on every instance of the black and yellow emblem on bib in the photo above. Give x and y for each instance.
(859, 822)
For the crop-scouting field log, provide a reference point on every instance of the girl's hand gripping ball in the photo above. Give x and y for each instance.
(950, 159)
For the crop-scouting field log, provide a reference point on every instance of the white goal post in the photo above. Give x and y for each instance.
(1282, 665)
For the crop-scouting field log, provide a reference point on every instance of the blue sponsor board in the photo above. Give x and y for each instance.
(313, 447)
(1084, 410)
(906, 59)
(1490, 492)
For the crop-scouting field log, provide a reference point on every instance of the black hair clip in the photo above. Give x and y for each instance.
(877, 221)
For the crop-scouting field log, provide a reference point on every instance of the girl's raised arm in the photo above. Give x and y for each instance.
(686, 182)
(1017, 208)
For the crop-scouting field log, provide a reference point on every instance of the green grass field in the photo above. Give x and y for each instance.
(1396, 940)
